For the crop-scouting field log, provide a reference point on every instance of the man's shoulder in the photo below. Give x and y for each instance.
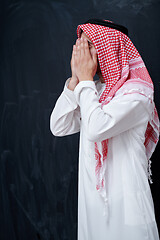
(136, 86)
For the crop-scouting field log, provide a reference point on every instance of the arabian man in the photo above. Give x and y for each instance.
(119, 130)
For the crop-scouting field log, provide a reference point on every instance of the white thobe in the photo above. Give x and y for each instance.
(123, 121)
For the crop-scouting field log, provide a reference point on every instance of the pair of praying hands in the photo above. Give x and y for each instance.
(83, 62)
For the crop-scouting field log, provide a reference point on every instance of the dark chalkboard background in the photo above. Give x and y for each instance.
(38, 171)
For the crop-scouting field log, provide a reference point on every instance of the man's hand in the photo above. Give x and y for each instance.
(85, 63)
(74, 79)
(73, 69)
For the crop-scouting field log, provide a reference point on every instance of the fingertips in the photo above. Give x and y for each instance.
(76, 51)
(82, 46)
(86, 47)
(85, 43)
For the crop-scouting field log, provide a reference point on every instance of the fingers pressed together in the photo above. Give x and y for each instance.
(81, 48)
(85, 62)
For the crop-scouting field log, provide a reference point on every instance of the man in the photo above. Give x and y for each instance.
(119, 130)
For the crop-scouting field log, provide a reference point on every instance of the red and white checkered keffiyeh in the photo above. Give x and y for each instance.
(119, 62)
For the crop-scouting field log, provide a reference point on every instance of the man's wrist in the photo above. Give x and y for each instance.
(72, 83)
(86, 78)
(71, 86)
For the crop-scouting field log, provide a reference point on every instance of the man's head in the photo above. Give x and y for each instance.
(113, 49)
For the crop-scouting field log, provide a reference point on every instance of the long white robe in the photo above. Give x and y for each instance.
(123, 121)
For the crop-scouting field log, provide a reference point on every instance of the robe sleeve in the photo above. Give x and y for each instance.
(122, 113)
(65, 117)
